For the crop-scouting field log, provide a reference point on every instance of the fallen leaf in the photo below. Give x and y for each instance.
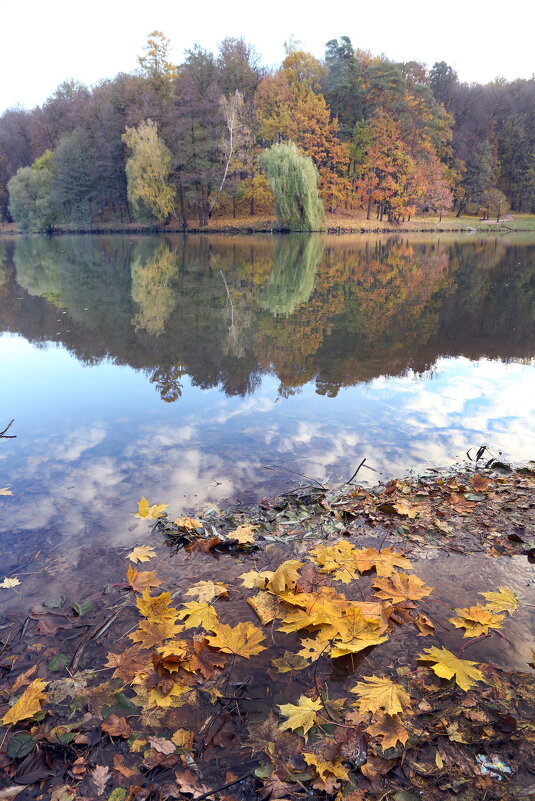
(141, 581)
(7, 583)
(155, 608)
(242, 640)
(63, 793)
(149, 512)
(208, 590)
(188, 523)
(116, 727)
(152, 633)
(23, 678)
(266, 605)
(401, 587)
(301, 715)
(124, 770)
(476, 620)
(196, 614)
(28, 704)
(503, 601)
(290, 661)
(424, 625)
(189, 783)
(391, 731)
(480, 483)
(183, 739)
(253, 580)
(383, 562)
(100, 776)
(162, 745)
(129, 663)
(243, 534)
(204, 659)
(142, 554)
(202, 544)
(324, 768)
(380, 693)
(448, 665)
(285, 576)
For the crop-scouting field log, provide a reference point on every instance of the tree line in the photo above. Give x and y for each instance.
(221, 135)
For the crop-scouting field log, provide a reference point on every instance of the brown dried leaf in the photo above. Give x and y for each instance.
(116, 727)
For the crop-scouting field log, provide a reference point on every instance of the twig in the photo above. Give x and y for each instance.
(356, 471)
(3, 433)
(294, 472)
(224, 786)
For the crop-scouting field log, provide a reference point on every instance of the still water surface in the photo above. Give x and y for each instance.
(184, 369)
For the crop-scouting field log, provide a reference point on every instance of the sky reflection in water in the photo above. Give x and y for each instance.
(382, 332)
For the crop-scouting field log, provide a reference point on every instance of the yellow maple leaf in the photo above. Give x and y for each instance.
(208, 590)
(401, 587)
(338, 559)
(255, 580)
(141, 581)
(285, 576)
(152, 633)
(383, 562)
(29, 703)
(326, 769)
(145, 511)
(141, 554)
(476, 620)
(188, 523)
(5, 491)
(243, 534)
(178, 648)
(156, 607)
(312, 649)
(242, 639)
(380, 693)
(503, 601)
(8, 583)
(448, 665)
(289, 661)
(173, 698)
(301, 715)
(266, 605)
(198, 613)
(183, 739)
(391, 730)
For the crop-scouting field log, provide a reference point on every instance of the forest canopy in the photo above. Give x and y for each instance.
(185, 142)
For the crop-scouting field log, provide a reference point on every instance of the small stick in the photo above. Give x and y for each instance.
(224, 786)
(3, 433)
(356, 471)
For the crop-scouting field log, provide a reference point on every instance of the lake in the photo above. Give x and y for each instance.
(210, 369)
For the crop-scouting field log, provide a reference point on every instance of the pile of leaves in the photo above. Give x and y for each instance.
(283, 683)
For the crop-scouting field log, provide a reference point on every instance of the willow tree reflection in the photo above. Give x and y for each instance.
(291, 281)
(154, 267)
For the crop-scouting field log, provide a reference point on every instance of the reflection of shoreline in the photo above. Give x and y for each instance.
(342, 313)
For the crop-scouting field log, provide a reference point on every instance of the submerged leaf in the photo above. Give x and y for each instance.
(28, 705)
(243, 639)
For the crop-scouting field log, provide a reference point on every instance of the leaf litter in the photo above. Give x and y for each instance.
(299, 668)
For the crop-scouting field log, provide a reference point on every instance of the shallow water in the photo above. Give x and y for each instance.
(185, 370)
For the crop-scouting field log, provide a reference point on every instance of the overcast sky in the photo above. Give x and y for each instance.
(45, 43)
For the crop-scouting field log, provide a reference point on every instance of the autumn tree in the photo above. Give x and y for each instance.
(148, 170)
(30, 195)
(154, 63)
(294, 182)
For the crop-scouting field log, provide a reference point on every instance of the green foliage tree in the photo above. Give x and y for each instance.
(342, 84)
(293, 179)
(72, 183)
(30, 195)
(147, 171)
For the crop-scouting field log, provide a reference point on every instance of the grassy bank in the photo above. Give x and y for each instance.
(332, 641)
(336, 223)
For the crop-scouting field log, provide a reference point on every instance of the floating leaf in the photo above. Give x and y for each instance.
(285, 576)
(401, 587)
(503, 601)
(208, 590)
(196, 614)
(7, 583)
(152, 633)
(383, 562)
(243, 639)
(141, 581)
(183, 739)
(150, 512)
(28, 705)
(117, 727)
(188, 523)
(243, 534)
(253, 580)
(380, 693)
(324, 768)
(448, 665)
(266, 605)
(156, 607)
(301, 715)
(142, 554)
(476, 620)
(424, 625)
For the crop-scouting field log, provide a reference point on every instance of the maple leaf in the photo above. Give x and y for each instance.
(5, 491)
(100, 776)
(448, 665)
(480, 483)
(183, 739)
(312, 649)
(202, 544)
(243, 534)
(208, 590)
(166, 700)
(380, 693)
(128, 663)
(391, 729)
(253, 580)
(188, 523)
(149, 512)
(384, 562)
(401, 587)
(402, 508)
(29, 703)
(476, 620)
(285, 576)
(325, 769)
(196, 614)
(7, 583)
(116, 727)
(266, 605)
(289, 661)
(156, 607)
(204, 659)
(301, 715)
(141, 581)
(242, 639)
(503, 601)
(338, 559)
(141, 554)
(424, 625)
(151, 633)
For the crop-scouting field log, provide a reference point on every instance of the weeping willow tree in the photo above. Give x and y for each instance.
(147, 172)
(291, 282)
(293, 179)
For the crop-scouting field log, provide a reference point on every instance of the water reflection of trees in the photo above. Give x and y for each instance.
(224, 310)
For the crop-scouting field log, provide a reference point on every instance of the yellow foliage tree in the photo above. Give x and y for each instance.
(147, 171)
